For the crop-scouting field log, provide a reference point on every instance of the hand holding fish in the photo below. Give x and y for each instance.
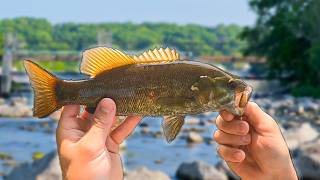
(87, 147)
(253, 147)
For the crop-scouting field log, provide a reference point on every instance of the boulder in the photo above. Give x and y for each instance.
(300, 135)
(194, 137)
(19, 110)
(199, 170)
(223, 167)
(307, 161)
(144, 173)
(46, 168)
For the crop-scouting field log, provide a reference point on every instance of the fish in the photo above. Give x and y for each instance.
(155, 83)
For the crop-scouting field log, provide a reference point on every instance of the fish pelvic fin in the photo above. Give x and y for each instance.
(44, 87)
(171, 126)
(100, 59)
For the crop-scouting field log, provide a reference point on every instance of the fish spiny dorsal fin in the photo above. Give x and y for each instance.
(100, 59)
(157, 56)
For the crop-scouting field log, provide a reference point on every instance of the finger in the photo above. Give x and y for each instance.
(102, 121)
(125, 129)
(258, 119)
(68, 113)
(67, 121)
(231, 154)
(230, 139)
(235, 127)
(227, 116)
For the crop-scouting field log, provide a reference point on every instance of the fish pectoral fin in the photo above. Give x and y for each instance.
(171, 126)
(157, 56)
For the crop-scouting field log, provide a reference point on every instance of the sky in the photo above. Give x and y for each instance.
(203, 12)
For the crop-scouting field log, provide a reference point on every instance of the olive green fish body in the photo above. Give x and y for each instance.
(149, 89)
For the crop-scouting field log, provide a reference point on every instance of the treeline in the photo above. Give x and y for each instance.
(287, 33)
(39, 34)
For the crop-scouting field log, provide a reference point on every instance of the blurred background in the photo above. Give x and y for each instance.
(273, 45)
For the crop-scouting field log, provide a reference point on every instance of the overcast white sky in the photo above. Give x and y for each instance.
(204, 12)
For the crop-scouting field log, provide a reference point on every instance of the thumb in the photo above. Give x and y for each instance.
(102, 121)
(258, 119)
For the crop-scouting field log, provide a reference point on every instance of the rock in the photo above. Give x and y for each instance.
(10, 163)
(2, 101)
(193, 137)
(15, 111)
(37, 155)
(307, 161)
(5, 156)
(144, 173)
(143, 124)
(199, 170)
(145, 130)
(300, 135)
(47, 168)
(16, 101)
(223, 167)
(56, 115)
(192, 121)
(157, 134)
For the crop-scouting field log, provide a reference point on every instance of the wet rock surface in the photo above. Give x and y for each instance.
(199, 170)
(143, 173)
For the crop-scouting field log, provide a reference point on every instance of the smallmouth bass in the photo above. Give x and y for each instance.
(155, 83)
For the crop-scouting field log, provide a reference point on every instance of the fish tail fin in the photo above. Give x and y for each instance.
(44, 87)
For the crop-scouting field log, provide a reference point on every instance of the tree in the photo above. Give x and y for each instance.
(286, 32)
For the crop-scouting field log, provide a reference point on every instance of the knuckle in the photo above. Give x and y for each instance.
(217, 136)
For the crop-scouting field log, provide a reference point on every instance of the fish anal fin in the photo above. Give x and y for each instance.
(171, 126)
(157, 56)
(100, 59)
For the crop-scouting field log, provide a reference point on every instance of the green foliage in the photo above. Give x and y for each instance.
(287, 33)
(39, 34)
(56, 66)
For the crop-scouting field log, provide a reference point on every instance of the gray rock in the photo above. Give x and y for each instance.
(199, 170)
(307, 161)
(194, 137)
(223, 167)
(47, 168)
(144, 173)
(300, 135)
(18, 110)
(192, 121)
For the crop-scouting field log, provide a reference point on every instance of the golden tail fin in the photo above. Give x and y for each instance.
(44, 87)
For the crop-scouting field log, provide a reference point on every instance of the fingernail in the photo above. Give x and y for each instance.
(237, 156)
(104, 110)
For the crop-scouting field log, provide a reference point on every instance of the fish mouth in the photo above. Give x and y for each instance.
(242, 98)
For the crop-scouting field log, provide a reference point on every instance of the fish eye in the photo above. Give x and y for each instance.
(232, 84)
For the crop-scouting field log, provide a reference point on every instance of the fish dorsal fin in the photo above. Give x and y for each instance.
(100, 59)
(157, 56)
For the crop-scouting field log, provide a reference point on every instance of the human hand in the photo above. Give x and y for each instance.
(87, 147)
(253, 147)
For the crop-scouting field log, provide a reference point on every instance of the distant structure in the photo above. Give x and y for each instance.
(104, 38)
(10, 47)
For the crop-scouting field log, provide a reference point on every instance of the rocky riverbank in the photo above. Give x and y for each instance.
(298, 118)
